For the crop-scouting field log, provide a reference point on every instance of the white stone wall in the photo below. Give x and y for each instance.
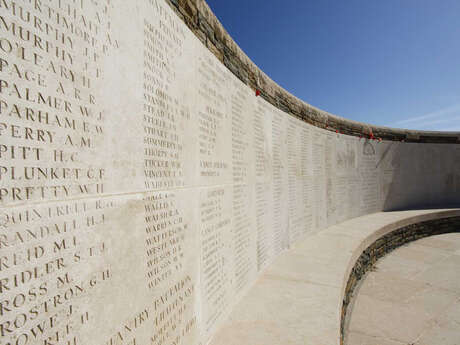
(143, 187)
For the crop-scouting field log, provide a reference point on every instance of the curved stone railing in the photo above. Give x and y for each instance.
(144, 187)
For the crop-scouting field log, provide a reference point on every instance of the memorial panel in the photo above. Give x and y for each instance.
(347, 177)
(332, 188)
(217, 262)
(280, 186)
(213, 114)
(243, 232)
(263, 192)
(168, 114)
(70, 276)
(296, 205)
(52, 123)
(319, 177)
(144, 187)
(370, 192)
(307, 180)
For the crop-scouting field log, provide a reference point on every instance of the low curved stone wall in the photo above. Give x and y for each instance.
(144, 187)
(387, 244)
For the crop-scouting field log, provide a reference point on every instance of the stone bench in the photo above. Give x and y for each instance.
(302, 296)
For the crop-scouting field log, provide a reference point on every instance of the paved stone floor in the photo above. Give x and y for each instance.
(412, 297)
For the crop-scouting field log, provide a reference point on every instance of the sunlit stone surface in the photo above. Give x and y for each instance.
(143, 187)
(417, 286)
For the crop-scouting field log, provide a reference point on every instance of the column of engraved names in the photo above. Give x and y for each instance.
(279, 225)
(164, 112)
(51, 123)
(295, 209)
(44, 250)
(262, 190)
(215, 259)
(370, 192)
(168, 224)
(331, 180)
(241, 198)
(391, 178)
(319, 178)
(346, 177)
(162, 148)
(212, 119)
(307, 177)
(165, 230)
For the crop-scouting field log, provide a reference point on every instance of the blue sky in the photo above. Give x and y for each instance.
(393, 62)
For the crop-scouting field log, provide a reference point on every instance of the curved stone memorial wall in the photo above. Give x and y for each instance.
(144, 187)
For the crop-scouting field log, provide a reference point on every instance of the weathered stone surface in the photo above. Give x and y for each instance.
(144, 187)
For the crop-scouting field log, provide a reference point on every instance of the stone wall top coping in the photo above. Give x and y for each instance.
(200, 19)
(314, 274)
